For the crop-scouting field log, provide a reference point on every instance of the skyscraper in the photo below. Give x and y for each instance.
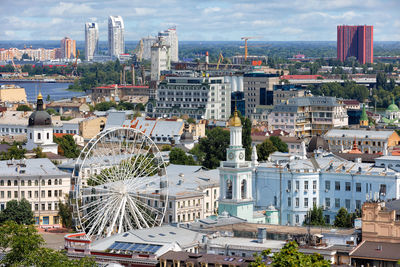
(68, 48)
(170, 38)
(355, 41)
(91, 40)
(116, 44)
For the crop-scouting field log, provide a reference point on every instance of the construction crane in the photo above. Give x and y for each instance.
(17, 69)
(245, 44)
(139, 50)
(75, 65)
(220, 59)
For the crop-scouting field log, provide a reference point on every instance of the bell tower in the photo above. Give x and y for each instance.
(236, 176)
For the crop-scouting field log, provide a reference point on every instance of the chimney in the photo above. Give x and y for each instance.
(261, 235)
(133, 75)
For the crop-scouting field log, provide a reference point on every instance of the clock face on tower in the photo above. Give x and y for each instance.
(241, 155)
(230, 155)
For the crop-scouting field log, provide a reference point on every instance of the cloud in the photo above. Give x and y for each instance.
(209, 10)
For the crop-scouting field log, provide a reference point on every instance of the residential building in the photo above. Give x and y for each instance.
(141, 247)
(90, 127)
(293, 186)
(91, 40)
(14, 122)
(39, 54)
(368, 141)
(197, 97)
(40, 182)
(258, 90)
(68, 48)
(116, 42)
(286, 91)
(148, 42)
(307, 116)
(160, 59)
(12, 94)
(352, 104)
(355, 41)
(381, 235)
(170, 38)
(40, 129)
(71, 108)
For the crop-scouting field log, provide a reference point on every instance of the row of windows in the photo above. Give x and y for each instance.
(305, 185)
(189, 217)
(305, 202)
(13, 130)
(31, 194)
(30, 182)
(338, 203)
(338, 186)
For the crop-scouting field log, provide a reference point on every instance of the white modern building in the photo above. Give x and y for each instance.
(170, 38)
(197, 97)
(160, 59)
(91, 40)
(116, 43)
(37, 180)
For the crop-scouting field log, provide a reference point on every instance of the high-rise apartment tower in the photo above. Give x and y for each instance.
(116, 44)
(91, 40)
(170, 38)
(355, 41)
(68, 48)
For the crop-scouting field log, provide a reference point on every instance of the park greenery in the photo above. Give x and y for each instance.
(24, 108)
(212, 148)
(289, 255)
(65, 213)
(104, 106)
(17, 211)
(15, 151)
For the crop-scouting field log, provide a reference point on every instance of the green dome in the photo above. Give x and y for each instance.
(392, 107)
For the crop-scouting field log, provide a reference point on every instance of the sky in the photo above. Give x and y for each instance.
(200, 20)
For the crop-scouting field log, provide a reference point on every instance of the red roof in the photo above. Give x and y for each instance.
(351, 102)
(58, 135)
(112, 86)
(300, 77)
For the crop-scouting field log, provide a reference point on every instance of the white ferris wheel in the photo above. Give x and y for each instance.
(119, 184)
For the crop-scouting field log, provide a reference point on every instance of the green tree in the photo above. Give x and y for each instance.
(24, 108)
(289, 255)
(21, 240)
(315, 217)
(52, 111)
(265, 149)
(39, 152)
(104, 106)
(17, 211)
(191, 120)
(196, 151)
(178, 156)
(246, 135)
(279, 144)
(67, 145)
(48, 98)
(214, 147)
(65, 213)
(14, 152)
(343, 219)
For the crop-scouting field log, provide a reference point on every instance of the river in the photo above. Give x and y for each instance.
(56, 91)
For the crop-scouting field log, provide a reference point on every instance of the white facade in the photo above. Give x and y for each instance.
(116, 43)
(170, 38)
(41, 136)
(160, 60)
(91, 40)
(328, 181)
(38, 181)
(197, 97)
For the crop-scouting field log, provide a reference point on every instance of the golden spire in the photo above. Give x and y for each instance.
(235, 120)
(40, 96)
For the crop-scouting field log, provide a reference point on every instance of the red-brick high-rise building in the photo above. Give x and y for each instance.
(355, 41)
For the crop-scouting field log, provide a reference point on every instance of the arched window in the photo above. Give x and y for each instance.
(39, 136)
(60, 181)
(29, 183)
(15, 183)
(243, 189)
(9, 183)
(22, 183)
(43, 183)
(228, 189)
(36, 182)
(49, 182)
(55, 182)
(2, 183)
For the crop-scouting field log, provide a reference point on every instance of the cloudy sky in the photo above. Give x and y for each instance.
(224, 20)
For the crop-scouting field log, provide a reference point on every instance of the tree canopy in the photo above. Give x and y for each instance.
(67, 146)
(315, 217)
(24, 108)
(178, 156)
(14, 152)
(17, 211)
(214, 147)
(343, 219)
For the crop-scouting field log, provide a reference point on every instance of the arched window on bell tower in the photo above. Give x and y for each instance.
(229, 189)
(243, 189)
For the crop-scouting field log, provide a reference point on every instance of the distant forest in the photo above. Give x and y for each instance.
(196, 49)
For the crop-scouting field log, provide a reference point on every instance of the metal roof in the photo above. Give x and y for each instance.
(359, 134)
(29, 167)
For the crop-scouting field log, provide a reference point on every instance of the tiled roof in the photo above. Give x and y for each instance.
(377, 250)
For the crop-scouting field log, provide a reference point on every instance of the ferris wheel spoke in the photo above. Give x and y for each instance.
(94, 206)
(146, 215)
(132, 206)
(121, 218)
(115, 217)
(139, 214)
(96, 221)
(147, 206)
